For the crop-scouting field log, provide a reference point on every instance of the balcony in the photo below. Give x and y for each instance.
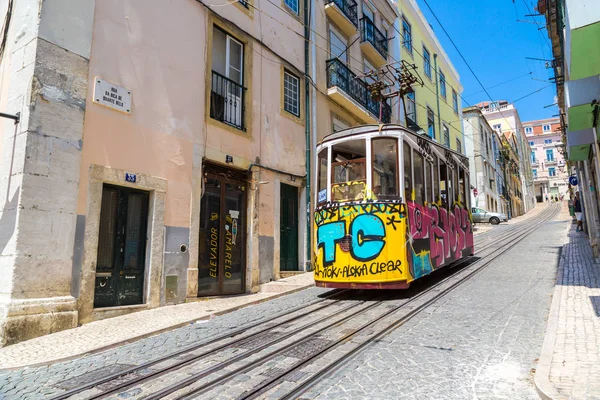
(227, 101)
(352, 93)
(551, 161)
(535, 163)
(344, 14)
(373, 43)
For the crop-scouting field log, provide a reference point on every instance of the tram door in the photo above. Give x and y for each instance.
(222, 264)
(288, 253)
(121, 247)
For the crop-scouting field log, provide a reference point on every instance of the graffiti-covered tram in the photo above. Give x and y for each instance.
(391, 207)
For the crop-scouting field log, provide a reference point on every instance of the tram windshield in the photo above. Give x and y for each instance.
(348, 170)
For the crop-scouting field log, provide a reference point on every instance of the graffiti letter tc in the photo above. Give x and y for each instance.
(368, 234)
(327, 236)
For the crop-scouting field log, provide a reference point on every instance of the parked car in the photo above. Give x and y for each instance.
(481, 215)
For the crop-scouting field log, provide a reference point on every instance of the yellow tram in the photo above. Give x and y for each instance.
(374, 230)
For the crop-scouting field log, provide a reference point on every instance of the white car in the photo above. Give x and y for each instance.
(481, 215)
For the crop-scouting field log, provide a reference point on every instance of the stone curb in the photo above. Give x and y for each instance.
(159, 331)
(544, 387)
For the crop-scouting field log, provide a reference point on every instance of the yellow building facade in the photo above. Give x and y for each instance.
(435, 107)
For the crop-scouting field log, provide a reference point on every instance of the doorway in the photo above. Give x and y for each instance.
(221, 264)
(121, 247)
(288, 228)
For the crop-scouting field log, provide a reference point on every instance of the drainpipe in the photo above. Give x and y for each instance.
(307, 130)
(437, 96)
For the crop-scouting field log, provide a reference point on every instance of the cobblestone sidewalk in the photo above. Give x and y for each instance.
(103, 334)
(570, 361)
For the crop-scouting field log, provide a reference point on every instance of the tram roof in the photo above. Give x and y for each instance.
(358, 130)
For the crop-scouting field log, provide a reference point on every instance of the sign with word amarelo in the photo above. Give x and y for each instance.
(112, 96)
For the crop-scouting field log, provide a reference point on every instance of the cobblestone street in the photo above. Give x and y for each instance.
(483, 340)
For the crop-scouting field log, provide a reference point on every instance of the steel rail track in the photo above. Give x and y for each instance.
(274, 381)
(194, 347)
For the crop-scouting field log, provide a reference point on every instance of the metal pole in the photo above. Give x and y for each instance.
(437, 95)
(16, 117)
(307, 134)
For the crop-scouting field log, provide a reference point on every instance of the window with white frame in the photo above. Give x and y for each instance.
(458, 146)
(455, 101)
(550, 155)
(446, 135)
(551, 171)
(406, 35)
(534, 173)
(427, 62)
(547, 141)
(294, 5)
(528, 129)
(546, 128)
(368, 12)
(442, 84)
(339, 125)
(337, 46)
(532, 143)
(497, 127)
(291, 93)
(430, 123)
(411, 107)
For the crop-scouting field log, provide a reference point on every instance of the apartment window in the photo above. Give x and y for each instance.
(493, 106)
(497, 127)
(227, 92)
(528, 129)
(531, 143)
(294, 5)
(337, 46)
(546, 128)
(442, 84)
(339, 125)
(458, 146)
(291, 93)
(551, 171)
(411, 109)
(455, 101)
(427, 62)
(547, 141)
(446, 135)
(368, 12)
(550, 155)
(406, 35)
(534, 173)
(533, 156)
(430, 123)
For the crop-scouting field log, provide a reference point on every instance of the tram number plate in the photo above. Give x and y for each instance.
(322, 195)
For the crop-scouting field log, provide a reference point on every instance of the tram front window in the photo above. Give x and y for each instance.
(385, 168)
(348, 169)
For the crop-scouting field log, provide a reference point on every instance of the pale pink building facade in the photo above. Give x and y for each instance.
(547, 162)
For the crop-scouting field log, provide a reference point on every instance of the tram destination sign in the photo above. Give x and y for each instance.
(112, 96)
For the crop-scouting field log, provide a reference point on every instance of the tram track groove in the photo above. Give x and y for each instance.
(218, 338)
(490, 243)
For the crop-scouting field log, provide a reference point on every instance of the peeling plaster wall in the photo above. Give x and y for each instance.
(47, 84)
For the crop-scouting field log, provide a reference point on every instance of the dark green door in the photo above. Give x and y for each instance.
(288, 228)
(121, 247)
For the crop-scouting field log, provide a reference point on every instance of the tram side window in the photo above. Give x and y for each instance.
(348, 170)
(322, 184)
(406, 153)
(385, 168)
(428, 181)
(444, 184)
(463, 186)
(436, 180)
(419, 182)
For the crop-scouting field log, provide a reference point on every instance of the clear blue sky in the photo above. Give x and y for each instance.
(495, 46)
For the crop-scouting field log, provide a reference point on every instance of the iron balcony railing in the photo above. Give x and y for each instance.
(348, 7)
(338, 74)
(227, 101)
(370, 33)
